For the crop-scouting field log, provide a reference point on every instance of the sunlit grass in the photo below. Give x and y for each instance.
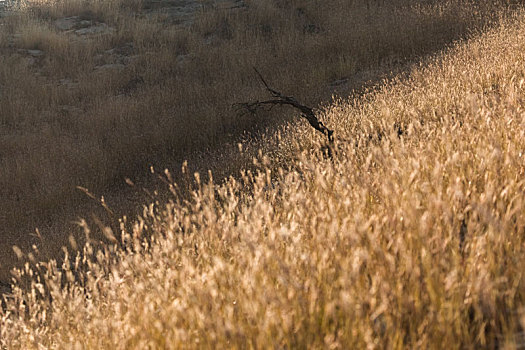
(412, 236)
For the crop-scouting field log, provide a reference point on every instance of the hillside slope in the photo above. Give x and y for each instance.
(411, 236)
(92, 92)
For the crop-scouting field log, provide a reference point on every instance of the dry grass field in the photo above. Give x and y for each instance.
(92, 92)
(411, 236)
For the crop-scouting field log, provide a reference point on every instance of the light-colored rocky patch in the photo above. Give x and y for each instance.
(110, 67)
(68, 83)
(69, 23)
(100, 28)
(30, 57)
(182, 12)
(13, 39)
(82, 26)
(3, 9)
(124, 55)
(35, 53)
(183, 59)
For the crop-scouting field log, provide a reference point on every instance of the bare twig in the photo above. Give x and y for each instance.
(282, 100)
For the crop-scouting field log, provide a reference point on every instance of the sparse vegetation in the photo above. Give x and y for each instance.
(91, 100)
(411, 236)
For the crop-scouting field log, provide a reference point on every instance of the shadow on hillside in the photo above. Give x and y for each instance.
(311, 51)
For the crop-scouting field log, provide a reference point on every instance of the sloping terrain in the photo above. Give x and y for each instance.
(410, 236)
(93, 92)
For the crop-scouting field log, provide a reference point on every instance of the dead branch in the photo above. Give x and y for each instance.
(282, 100)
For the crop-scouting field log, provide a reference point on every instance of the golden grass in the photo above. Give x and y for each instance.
(401, 241)
(64, 123)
